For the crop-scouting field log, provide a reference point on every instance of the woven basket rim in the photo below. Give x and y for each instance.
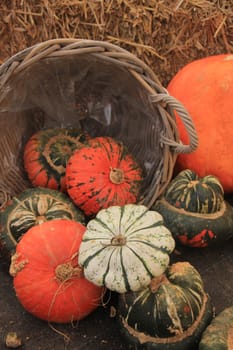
(158, 95)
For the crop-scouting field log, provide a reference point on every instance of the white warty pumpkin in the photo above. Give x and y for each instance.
(124, 247)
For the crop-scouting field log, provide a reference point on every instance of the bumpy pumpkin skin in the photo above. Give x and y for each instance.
(46, 154)
(170, 314)
(103, 174)
(47, 279)
(205, 88)
(219, 334)
(194, 210)
(33, 207)
(124, 247)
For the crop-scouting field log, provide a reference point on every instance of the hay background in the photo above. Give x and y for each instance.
(166, 34)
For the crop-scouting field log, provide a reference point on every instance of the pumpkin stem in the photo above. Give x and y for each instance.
(156, 282)
(118, 240)
(116, 175)
(40, 219)
(66, 271)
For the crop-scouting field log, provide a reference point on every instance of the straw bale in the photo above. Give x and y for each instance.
(166, 34)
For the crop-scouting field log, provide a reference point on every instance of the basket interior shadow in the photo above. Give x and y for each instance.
(97, 86)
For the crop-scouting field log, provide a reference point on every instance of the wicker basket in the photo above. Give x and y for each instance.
(100, 87)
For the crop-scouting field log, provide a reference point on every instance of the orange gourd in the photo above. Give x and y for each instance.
(205, 88)
(101, 174)
(48, 281)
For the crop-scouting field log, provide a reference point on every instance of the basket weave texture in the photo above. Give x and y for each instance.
(96, 85)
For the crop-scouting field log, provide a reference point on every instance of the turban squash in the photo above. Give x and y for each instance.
(170, 314)
(33, 207)
(219, 334)
(194, 210)
(46, 154)
(205, 88)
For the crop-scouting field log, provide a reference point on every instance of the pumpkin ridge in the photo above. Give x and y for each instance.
(187, 297)
(109, 150)
(86, 262)
(135, 220)
(126, 281)
(51, 175)
(107, 269)
(103, 224)
(39, 172)
(149, 244)
(142, 261)
(156, 224)
(175, 327)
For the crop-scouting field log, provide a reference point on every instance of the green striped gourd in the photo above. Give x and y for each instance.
(32, 207)
(170, 314)
(124, 247)
(219, 334)
(198, 195)
(195, 211)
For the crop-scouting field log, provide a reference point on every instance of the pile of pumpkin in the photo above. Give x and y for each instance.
(80, 230)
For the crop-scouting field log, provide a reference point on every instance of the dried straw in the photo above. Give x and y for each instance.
(166, 34)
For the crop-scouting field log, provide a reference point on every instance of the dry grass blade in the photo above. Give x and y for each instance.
(164, 34)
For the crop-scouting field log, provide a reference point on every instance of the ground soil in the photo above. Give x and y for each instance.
(100, 331)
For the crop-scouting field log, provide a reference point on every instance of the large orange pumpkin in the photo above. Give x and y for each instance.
(205, 88)
(48, 281)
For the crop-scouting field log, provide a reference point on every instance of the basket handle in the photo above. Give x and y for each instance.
(174, 104)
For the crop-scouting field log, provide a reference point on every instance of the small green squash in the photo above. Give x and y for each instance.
(124, 247)
(170, 314)
(219, 334)
(198, 195)
(195, 211)
(32, 207)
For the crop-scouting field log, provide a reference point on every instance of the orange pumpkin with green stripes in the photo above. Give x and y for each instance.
(101, 174)
(46, 154)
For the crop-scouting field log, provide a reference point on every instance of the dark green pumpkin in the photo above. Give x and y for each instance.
(32, 207)
(219, 334)
(171, 314)
(198, 195)
(195, 211)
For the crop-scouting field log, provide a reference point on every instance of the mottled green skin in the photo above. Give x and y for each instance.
(197, 230)
(194, 194)
(170, 317)
(31, 207)
(219, 334)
